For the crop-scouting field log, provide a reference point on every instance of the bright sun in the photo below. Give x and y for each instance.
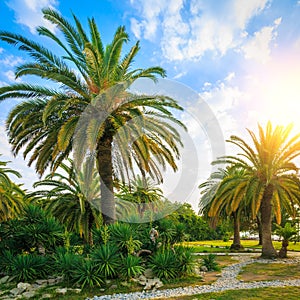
(277, 92)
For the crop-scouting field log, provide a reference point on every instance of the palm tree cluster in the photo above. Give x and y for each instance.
(84, 109)
(87, 110)
(261, 180)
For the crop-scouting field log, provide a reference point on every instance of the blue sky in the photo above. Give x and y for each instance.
(242, 57)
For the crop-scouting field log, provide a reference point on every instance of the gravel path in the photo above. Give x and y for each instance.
(227, 281)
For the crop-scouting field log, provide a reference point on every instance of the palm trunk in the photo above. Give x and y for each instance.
(259, 231)
(268, 250)
(236, 245)
(283, 250)
(105, 168)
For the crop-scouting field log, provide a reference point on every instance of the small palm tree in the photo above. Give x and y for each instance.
(224, 194)
(287, 233)
(11, 194)
(68, 201)
(143, 192)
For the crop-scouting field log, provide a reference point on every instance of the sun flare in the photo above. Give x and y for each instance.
(277, 93)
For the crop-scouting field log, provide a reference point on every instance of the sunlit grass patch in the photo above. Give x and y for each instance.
(289, 293)
(271, 271)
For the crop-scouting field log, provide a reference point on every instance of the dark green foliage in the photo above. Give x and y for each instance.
(31, 232)
(163, 264)
(64, 263)
(185, 260)
(210, 262)
(6, 259)
(167, 231)
(107, 259)
(131, 267)
(86, 273)
(186, 225)
(124, 237)
(29, 267)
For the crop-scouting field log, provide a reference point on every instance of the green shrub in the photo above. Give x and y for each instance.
(29, 267)
(167, 231)
(131, 267)
(124, 237)
(32, 232)
(163, 264)
(185, 260)
(210, 263)
(6, 260)
(86, 273)
(107, 259)
(65, 262)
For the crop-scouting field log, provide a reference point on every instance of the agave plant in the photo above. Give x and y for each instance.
(107, 259)
(131, 267)
(124, 237)
(65, 262)
(29, 267)
(86, 273)
(210, 262)
(163, 264)
(185, 260)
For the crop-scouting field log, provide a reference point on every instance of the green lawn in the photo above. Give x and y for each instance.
(221, 246)
(289, 293)
(276, 271)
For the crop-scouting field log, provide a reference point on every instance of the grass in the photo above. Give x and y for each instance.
(290, 293)
(274, 271)
(221, 246)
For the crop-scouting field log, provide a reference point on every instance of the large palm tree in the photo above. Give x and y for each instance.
(11, 194)
(272, 176)
(63, 195)
(122, 131)
(224, 194)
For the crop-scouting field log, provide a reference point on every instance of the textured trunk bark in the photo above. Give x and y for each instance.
(268, 250)
(236, 234)
(283, 250)
(259, 231)
(105, 168)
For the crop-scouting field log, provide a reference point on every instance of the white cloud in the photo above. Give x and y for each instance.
(258, 46)
(10, 75)
(11, 60)
(179, 75)
(1, 50)
(17, 163)
(189, 29)
(28, 13)
(150, 11)
(224, 97)
(244, 10)
(135, 27)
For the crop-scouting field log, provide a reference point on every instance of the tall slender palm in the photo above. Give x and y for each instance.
(272, 176)
(68, 202)
(224, 194)
(11, 194)
(88, 75)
